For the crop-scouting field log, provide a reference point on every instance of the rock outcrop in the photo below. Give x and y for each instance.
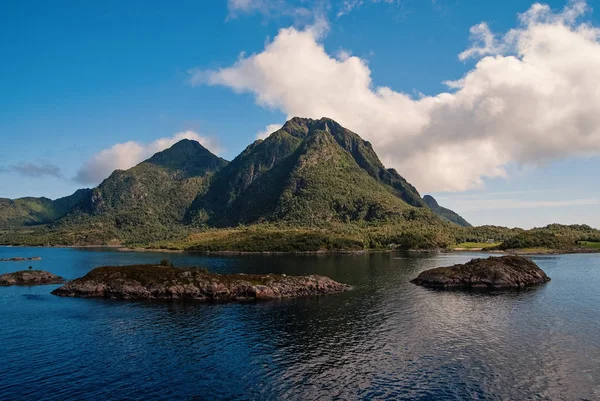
(30, 277)
(165, 282)
(19, 259)
(491, 273)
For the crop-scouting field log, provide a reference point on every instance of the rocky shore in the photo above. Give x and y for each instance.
(492, 273)
(19, 259)
(166, 282)
(30, 277)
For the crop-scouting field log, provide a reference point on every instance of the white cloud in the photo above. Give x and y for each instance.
(348, 6)
(343, 54)
(532, 98)
(33, 170)
(244, 5)
(299, 10)
(269, 9)
(269, 129)
(122, 156)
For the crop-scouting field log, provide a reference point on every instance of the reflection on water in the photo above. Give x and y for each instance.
(385, 339)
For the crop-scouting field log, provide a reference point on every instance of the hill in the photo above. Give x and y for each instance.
(309, 171)
(33, 211)
(444, 213)
(309, 175)
(148, 201)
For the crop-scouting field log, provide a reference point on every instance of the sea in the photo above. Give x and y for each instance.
(385, 339)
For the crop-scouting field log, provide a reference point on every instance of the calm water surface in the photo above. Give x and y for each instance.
(387, 339)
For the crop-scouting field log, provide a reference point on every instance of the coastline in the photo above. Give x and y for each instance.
(60, 246)
(525, 252)
(233, 253)
(121, 248)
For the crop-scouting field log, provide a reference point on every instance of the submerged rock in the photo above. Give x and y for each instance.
(165, 282)
(491, 273)
(19, 259)
(30, 277)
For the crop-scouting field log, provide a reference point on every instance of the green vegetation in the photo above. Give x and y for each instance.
(555, 237)
(32, 211)
(589, 244)
(310, 171)
(158, 274)
(486, 234)
(335, 237)
(478, 245)
(537, 239)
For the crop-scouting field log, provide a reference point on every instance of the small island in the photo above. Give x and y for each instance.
(19, 259)
(491, 273)
(171, 283)
(30, 277)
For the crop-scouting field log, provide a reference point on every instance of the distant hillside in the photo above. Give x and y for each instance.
(553, 237)
(33, 211)
(444, 213)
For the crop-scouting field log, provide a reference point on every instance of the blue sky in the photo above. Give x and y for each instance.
(81, 77)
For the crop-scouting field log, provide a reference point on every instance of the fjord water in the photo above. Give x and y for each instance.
(385, 339)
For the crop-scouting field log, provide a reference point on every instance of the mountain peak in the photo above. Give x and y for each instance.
(310, 122)
(189, 157)
(184, 145)
(430, 201)
(359, 149)
(445, 213)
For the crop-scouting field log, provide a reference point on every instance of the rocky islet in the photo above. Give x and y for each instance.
(30, 277)
(491, 273)
(171, 283)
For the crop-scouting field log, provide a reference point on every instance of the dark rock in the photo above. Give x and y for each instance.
(30, 277)
(166, 282)
(491, 273)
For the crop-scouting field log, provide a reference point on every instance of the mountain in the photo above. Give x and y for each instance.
(152, 198)
(31, 211)
(308, 171)
(444, 213)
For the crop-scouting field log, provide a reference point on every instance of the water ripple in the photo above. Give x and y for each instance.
(387, 339)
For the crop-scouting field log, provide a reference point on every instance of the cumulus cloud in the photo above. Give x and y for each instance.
(532, 98)
(33, 170)
(122, 156)
(269, 129)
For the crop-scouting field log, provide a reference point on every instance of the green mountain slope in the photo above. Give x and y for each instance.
(444, 213)
(310, 171)
(150, 200)
(231, 181)
(366, 158)
(261, 156)
(32, 211)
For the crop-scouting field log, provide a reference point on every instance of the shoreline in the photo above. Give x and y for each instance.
(121, 248)
(60, 246)
(234, 253)
(525, 252)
